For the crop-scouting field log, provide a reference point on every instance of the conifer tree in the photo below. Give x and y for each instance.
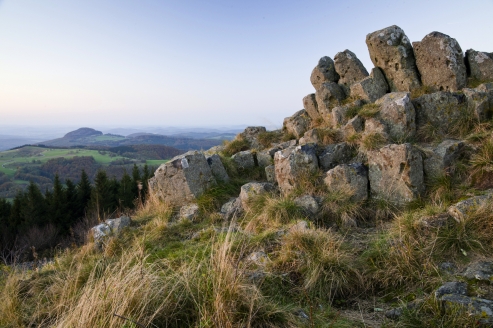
(136, 180)
(57, 205)
(34, 208)
(125, 193)
(84, 190)
(102, 195)
(71, 204)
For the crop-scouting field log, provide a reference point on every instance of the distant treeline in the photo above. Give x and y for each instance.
(63, 215)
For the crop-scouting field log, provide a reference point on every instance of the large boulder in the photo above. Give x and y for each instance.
(442, 111)
(297, 124)
(391, 51)
(323, 72)
(440, 62)
(292, 162)
(182, 179)
(328, 96)
(398, 115)
(264, 158)
(217, 168)
(311, 107)
(480, 65)
(396, 173)
(349, 176)
(335, 154)
(251, 135)
(231, 209)
(310, 136)
(372, 87)
(349, 68)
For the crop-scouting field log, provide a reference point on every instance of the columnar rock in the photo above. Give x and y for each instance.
(292, 163)
(182, 179)
(336, 154)
(398, 115)
(297, 124)
(253, 189)
(480, 103)
(251, 135)
(353, 176)
(217, 168)
(324, 72)
(311, 107)
(442, 112)
(270, 173)
(440, 62)
(328, 96)
(349, 68)
(444, 156)
(396, 173)
(391, 50)
(372, 87)
(244, 159)
(480, 65)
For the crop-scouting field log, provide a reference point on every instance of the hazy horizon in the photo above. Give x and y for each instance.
(124, 63)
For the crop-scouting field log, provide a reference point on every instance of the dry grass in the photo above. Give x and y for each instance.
(372, 141)
(266, 139)
(235, 146)
(482, 160)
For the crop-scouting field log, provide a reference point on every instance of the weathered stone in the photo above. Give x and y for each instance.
(391, 51)
(398, 115)
(293, 161)
(462, 209)
(353, 176)
(349, 68)
(253, 189)
(310, 136)
(217, 168)
(244, 159)
(297, 124)
(476, 306)
(444, 156)
(353, 126)
(311, 107)
(300, 226)
(334, 155)
(232, 208)
(323, 72)
(440, 62)
(485, 87)
(328, 96)
(481, 270)
(270, 172)
(214, 150)
(442, 111)
(376, 126)
(454, 287)
(479, 65)
(448, 267)
(372, 87)
(264, 159)
(251, 135)
(480, 103)
(396, 173)
(110, 227)
(182, 179)
(189, 212)
(308, 203)
(338, 114)
(394, 313)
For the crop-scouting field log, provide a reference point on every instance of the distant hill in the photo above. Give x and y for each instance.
(92, 138)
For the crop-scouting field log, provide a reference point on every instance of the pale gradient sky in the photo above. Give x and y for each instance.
(134, 63)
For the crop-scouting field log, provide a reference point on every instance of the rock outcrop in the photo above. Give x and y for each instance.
(349, 68)
(440, 62)
(297, 124)
(293, 162)
(372, 87)
(398, 115)
(480, 65)
(182, 179)
(250, 134)
(324, 72)
(392, 52)
(328, 96)
(352, 177)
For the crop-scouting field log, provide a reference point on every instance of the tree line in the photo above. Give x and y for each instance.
(54, 215)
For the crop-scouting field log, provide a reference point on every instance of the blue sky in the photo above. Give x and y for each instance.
(194, 63)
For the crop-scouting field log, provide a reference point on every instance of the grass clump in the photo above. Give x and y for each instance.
(372, 141)
(266, 139)
(369, 110)
(235, 146)
(482, 160)
(423, 90)
(329, 136)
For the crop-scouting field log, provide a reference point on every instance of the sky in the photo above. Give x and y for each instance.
(194, 63)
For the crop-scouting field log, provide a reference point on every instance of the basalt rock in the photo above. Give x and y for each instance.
(336, 154)
(349, 68)
(392, 52)
(443, 157)
(398, 115)
(217, 168)
(298, 123)
(329, 95)
(311, 107)
(479, 65)
(353, 177)
(440, 62)
(251, 135)
(372, 87)
(396, 173)
(324, 72)
(244, 159)
(182, 179)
